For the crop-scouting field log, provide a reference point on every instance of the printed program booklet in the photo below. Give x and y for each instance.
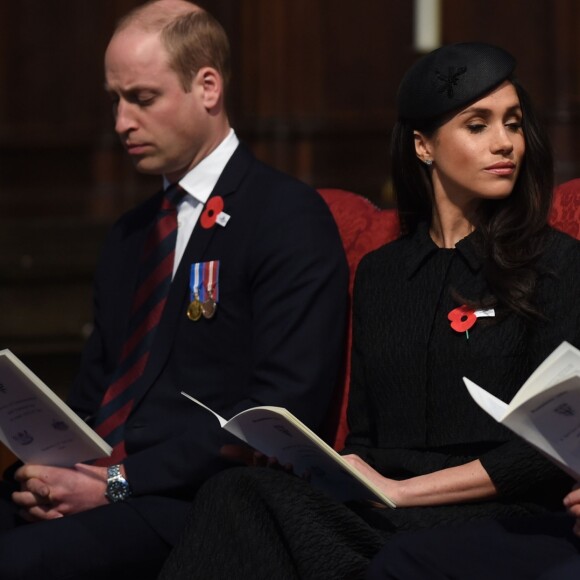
(36, 425)
(546, 410)
(276, 432)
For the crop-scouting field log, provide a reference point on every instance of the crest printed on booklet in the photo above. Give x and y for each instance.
(203, 290)
(23, 437)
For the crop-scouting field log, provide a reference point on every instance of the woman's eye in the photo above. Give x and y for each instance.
(476, 127)
(514, 126)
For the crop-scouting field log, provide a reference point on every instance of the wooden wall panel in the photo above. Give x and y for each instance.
(53, 111)
(55, 118)
(543, 36)
(319, 87)
(522, 27)
(563, 93)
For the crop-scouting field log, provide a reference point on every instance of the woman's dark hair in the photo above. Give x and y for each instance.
(509, 231)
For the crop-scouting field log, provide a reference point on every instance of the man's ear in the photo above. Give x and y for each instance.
(210, 83)
(422, 146)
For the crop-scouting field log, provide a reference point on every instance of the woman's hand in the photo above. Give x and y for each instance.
(461, 484)
(390, 487)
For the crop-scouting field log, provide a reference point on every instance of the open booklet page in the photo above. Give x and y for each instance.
(564, 362)
(546, 410)
(36, 425)
(275, 432)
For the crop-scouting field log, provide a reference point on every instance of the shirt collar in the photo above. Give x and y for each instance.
(201, 180)
(422, 247)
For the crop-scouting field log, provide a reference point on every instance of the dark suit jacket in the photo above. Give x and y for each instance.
(276, 337)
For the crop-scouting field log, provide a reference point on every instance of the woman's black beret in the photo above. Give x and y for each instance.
(450, 78)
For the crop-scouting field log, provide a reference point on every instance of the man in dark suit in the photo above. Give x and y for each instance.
(253, 312)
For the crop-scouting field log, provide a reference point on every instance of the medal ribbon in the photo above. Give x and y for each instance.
(196, 290)
(211, 274)
(203, 290)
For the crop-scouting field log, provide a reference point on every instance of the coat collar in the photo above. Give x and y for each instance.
(421, 248)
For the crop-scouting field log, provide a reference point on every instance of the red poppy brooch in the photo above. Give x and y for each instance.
(214, 212)
(463, 318)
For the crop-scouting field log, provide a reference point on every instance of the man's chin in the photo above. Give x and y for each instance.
(147, 167)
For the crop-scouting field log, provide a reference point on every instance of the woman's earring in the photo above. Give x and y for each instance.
(428, 162)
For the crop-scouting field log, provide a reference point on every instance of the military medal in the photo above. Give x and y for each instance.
(208, 307)
(203, 288)
(195, 281)
(211, 272)
(194, 310)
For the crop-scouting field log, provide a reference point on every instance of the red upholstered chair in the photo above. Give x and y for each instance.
(364, 227)
(565, 215)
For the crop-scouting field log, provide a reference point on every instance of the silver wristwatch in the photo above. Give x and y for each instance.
(118, 488)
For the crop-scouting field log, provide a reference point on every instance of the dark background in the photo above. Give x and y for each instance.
(313, 94)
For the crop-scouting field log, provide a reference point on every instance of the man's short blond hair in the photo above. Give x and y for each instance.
(192, 37)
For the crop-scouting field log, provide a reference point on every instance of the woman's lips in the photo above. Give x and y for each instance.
(501, 168)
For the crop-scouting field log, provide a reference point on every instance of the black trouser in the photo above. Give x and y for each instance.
(110, 542)
(542, 547)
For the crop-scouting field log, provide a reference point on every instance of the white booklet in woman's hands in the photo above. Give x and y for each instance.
(546, 410)
(36, 425)
(276, 432)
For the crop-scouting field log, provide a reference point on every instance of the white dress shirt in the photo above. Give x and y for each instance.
(198, 184)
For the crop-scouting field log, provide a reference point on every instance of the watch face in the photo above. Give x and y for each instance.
(117, 490)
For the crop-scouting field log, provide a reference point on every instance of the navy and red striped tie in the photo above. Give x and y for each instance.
(155, 273)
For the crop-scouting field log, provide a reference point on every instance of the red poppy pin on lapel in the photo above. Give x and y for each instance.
(463, 318)
(213, 213)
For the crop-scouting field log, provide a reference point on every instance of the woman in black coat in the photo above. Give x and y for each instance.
(478, 286)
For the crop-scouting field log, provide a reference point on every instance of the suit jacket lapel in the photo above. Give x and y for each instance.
(195, 251)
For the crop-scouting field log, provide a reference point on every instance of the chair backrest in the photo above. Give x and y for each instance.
(565, 215)
(364, 227)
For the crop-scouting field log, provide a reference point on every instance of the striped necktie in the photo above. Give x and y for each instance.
(155, 274)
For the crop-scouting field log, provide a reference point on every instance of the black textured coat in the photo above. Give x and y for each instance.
(409, 411)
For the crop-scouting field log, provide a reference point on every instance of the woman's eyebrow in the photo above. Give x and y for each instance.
(484, 111)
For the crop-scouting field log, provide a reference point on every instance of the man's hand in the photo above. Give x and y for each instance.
(572, 503)
(52, 492)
